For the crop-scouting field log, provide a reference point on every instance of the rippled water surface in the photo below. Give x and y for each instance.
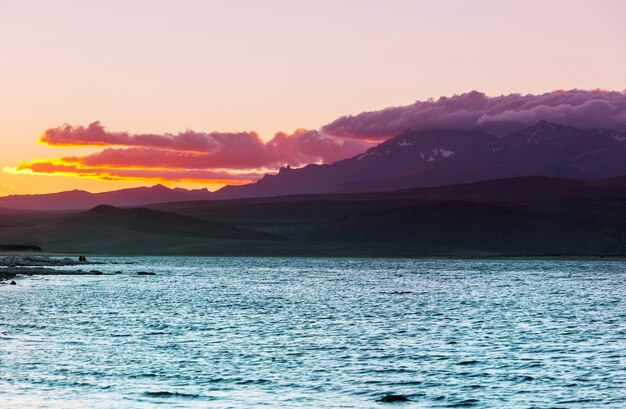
(277, 332)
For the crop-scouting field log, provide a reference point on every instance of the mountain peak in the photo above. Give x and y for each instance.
(102, 209)
(159, 187)
(284, 169)
(542, 131)
(437, 157)
(546, 124)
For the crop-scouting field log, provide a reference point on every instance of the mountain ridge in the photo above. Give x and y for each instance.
(444, 157)
(81, 199)
(528, 216)
(412, 159)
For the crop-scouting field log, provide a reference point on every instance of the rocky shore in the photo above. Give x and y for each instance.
(12, 266)
(38, 261)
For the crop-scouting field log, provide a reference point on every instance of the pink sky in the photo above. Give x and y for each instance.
(163, 67)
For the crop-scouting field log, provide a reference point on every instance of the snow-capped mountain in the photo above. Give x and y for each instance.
(410, 160)
(443, 157)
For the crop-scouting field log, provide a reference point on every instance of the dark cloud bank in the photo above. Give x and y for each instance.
(498, 115)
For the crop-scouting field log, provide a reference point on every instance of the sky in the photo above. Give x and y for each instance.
(103, 95)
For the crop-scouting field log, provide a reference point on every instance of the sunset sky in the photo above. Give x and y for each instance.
(193, 93)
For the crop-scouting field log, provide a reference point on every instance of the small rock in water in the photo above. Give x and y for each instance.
(118, 272)
(470, 362)
(13, 282)
(145, 273)
(393, 398)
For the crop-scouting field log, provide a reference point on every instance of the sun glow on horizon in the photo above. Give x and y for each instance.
(209, 65)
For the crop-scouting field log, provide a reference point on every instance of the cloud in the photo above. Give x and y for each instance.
(59, 167)
(215, 158)
(242, 157)
(95, 134)
(499, 115)
(189, 149)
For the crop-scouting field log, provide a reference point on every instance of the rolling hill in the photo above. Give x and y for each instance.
(525, 216)
(80, 199)
(107, 229)
(446, 226)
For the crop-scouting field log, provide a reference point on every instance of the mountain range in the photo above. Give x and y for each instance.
(525, 216)
(80, 199)
(444, 157)
(410, 160)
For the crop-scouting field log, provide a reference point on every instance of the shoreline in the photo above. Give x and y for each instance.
(602, 257)
(13, 265)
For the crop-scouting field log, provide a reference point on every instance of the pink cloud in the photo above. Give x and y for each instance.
(195, 150)
(96, 134)
(243, 156)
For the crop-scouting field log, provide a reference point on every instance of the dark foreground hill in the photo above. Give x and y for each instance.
(107, 229)
(445, 226)
(519, 216)
(529, 216)
(599, 202)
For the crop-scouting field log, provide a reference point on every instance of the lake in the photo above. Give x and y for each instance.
(308, 333)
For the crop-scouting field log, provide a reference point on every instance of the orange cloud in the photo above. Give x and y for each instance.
(60, 168)
(241, 150)
(241, 157)
(214, 158)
